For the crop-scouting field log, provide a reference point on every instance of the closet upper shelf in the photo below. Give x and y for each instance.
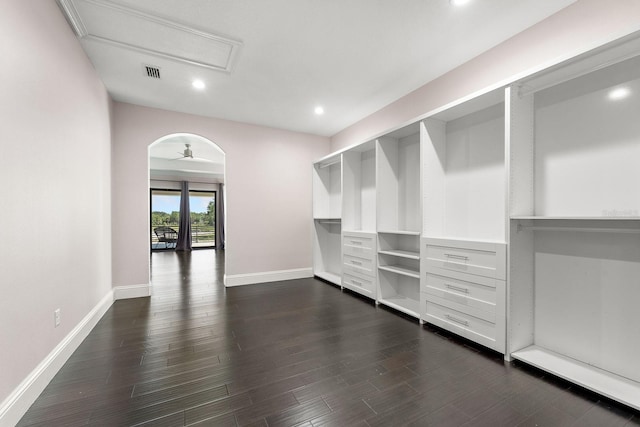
(576, 218)
(402, 232)
(401, 253)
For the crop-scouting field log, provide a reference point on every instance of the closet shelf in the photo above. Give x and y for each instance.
(352, 230)
(465, 239)
(576, 218)
(402, 270)
(328, 220)
(329, 276)
(401, 254)
(606, 383)
(623, 225)
(402, 232)
(403, 304)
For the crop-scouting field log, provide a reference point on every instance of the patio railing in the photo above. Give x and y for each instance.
(201, 236)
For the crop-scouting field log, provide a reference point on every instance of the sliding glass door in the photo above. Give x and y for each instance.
(203, 218)
(165, 218)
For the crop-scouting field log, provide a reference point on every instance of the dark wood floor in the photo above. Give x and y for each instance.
(299, 352)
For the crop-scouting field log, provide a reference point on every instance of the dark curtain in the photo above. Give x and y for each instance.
(184, 233)
(220, 218)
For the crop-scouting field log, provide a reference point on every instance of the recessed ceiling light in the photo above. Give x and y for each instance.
(198, 84)
(459, 2)
(319, 110)
(619, 93)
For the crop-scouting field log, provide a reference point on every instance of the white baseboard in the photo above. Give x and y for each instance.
(131, 291)
(266, 276)
(19, 401)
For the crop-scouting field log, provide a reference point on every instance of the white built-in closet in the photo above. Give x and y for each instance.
(511, 218)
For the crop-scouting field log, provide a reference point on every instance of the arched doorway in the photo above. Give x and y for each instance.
(180, 164)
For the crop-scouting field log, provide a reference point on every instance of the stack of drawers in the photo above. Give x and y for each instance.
(359, 262)
(463, 289)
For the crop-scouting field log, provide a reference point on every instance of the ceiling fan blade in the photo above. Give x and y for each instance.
(201, 159)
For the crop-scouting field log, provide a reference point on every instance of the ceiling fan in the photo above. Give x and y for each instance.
(187, 154)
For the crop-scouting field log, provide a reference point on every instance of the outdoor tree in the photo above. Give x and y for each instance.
(159, 218)
(211, 209)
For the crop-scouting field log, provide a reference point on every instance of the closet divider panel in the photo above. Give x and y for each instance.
(519, 133)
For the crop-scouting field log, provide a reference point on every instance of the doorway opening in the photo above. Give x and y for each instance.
(186, 196)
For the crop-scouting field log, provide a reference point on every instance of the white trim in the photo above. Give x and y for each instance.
(131, 291)
(227, 68)
(79, 27)
(266, 276)
(23, 396)
(70, 11)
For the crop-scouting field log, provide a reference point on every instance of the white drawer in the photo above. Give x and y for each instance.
(358, 265)
(475, 291)
(363, 246)
(486, 315)
(360, 284)
(473, 328)
(482, 259)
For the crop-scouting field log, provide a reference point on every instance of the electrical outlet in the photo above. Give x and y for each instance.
(56, 317)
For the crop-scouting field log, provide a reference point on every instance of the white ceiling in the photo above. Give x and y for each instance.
(270, 62)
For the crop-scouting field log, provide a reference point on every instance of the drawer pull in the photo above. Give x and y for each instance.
(457, 288)
(456, 320)
(356, 262)
(460, 257)
(355, 242)
(355, 282)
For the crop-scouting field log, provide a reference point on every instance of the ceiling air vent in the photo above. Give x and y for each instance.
(152, 71)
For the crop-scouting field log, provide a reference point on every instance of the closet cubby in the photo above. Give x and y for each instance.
(464, 171)
(327, 214)
(327, 188)
(398, 181)
(399, 245)
(399, 219)
(399, 289)
(574, 236)
(359, 188)
(399, 271)
(327, 250)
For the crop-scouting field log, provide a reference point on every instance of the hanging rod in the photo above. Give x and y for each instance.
(580, 229)
(324, 165)
(329, 221)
